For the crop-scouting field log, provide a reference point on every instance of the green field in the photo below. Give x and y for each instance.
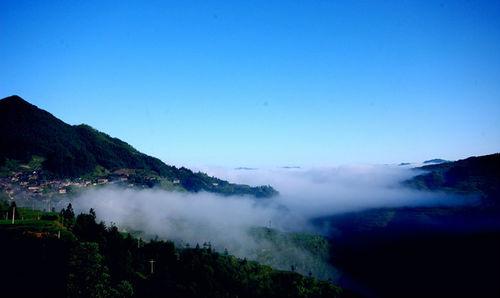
(35, 223)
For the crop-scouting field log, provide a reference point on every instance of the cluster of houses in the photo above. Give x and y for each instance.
(32, 183)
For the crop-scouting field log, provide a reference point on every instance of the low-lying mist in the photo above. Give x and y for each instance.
(315, 192)
(229, 222)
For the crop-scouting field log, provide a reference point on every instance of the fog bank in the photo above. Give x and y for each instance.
(226, 221)
(315, 192)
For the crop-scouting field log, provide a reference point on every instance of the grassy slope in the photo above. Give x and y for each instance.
(35, 221)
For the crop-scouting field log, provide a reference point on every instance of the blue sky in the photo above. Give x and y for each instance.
(264, 83)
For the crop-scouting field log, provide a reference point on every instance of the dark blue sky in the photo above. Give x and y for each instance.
(253, 83)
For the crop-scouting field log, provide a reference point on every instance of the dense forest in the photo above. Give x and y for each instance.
(74, 151)
(63, 255)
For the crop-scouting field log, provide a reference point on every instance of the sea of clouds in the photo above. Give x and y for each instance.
(225, 221)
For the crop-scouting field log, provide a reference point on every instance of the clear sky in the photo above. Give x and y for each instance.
(264, 83)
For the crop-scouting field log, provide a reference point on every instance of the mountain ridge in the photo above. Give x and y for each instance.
(435, 161)
(70, 151)
(475, 174)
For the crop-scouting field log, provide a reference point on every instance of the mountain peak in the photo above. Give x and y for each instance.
(74, 151)
(13, 98)
(15, 101)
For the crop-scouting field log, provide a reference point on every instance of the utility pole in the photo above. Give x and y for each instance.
(151, 262)
(13, 214)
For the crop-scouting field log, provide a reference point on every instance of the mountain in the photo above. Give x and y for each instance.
(70, 151)
(435, 250)
(478, 174)
(435, 161)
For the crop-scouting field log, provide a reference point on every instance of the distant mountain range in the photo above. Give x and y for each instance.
(70, 151)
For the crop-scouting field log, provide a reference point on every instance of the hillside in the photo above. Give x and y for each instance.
(70, 151)
(437, 251)
(60, 255)
(479, 175)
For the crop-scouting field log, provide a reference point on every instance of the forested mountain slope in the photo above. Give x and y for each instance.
(72, 151)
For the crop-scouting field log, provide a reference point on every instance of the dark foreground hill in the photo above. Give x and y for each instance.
(427, 251)
(58, 255)
(70, 151)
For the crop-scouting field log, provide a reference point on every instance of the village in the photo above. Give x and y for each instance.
(38, 188)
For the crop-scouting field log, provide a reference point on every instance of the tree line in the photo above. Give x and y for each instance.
(92, 259)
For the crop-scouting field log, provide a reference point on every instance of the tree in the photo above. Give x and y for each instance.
(123, 289)
(68, 216)
(4, 206)
(92, 213)
(86, 228)
(88, 277)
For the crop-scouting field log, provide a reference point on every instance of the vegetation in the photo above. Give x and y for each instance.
(304, 253)
(434, 251)
(472, 175)
(426, 251)
(69, 256)
(69, 151)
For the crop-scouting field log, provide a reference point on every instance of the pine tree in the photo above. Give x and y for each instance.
(88, 277)
(68, 216)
